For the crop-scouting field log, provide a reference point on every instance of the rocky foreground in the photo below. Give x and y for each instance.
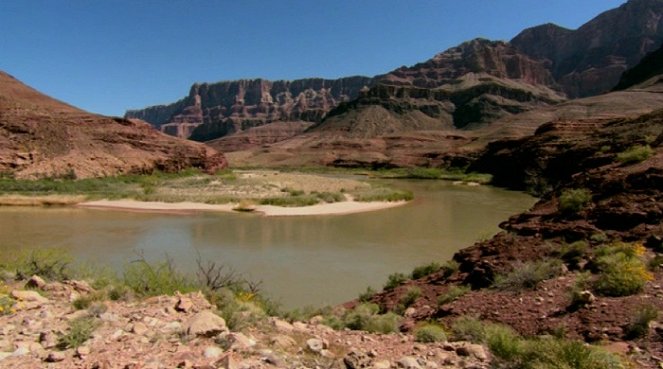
(45, 330)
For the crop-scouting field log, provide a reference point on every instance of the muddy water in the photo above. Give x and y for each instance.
(301, 261)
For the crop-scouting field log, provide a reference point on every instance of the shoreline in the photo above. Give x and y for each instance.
(336, 208)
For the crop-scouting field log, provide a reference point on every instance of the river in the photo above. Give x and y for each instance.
(313, 260)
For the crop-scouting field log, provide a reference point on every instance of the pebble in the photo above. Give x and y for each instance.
(408, 362)
(212, 352)
(55, 356)
(139, 328)
(206, 324)
(383, 364)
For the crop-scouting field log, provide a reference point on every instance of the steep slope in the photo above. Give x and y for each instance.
(645, 74)
(590, 60)
(217, 109)
(622, 202)
(40, 136)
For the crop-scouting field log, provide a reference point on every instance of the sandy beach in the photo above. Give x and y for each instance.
(337, 208)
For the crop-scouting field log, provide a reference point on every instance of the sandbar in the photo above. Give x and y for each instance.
(337, 208)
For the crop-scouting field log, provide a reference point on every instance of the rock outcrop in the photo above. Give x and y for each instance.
(43, 137)
(590, 60)
(218, 109)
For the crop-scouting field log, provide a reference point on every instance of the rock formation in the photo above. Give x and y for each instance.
(217, 109)
(590, 60)
(43, 137)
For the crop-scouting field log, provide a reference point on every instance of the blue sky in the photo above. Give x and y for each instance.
(109, 56)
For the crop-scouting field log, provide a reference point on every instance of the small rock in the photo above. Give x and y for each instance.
(239, 341)
(82, 351)
(477, 351)
(282, 341)
(116, 335)
(282, 325)
(409, 312)
(212, 352)
(205, 324)
(139, 329)
(314, 345)
(299, 326)
(383, 364)
(172, 327)
(21, 351)
(80, 286)
(29, 296)
(48, 339)
(35, 282)
(356, 360)
(318, 319)
(55, 356)
(184, 305)
(408, 362)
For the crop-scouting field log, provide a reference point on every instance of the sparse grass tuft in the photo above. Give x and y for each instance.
(367, 295)
(394, 280)
(153, 279)
(80, 330)
(528, 275)
(410, 297)
(639, 326)
(424, 270)
(635, 154)
(429, 333)
(574, 200)
(453, 293)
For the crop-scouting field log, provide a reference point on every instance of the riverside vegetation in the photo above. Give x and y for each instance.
(264, 187)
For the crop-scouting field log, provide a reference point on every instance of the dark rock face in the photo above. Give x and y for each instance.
(650, 67)
(590, 60)
(217, 109)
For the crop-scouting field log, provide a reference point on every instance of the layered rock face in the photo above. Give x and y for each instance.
(217, 109)
(43, 137)
(590, 60)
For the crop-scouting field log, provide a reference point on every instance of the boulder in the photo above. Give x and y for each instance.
(206, 324)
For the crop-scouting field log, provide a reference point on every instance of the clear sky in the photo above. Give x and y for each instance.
(109, 56)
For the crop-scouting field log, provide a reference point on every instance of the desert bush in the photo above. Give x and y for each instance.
(153, 279)
(655, 263)
(572, 254)
(382, 194)
(329, 197)
(622, 271)
(528, 275)
(383, 323)
(84, 301)
(394, 280)
(574, 200)
(635, 154)
(118, 292)
(449, 268)
(467, 328)
(424, 270)
(359, 317)
(411, 296)
(504, 342)
(291, 201)
(365, 317)
(423, 173)
(80, 330)
(52, 264)
(6, 304)
(367, 295)
(453, 293)
(639, 325)
(429, 333)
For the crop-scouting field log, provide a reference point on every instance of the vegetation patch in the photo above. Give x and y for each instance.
(574, 200)
(639, 325)
(453, 293)
(622, 271)
(429, 333)
(528, 275)
(635, 154)
(80, 330)
(394, 280)
(424, 270)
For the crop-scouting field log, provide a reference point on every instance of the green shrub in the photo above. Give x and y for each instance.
(367, 295)
(655, 263)
(635, 154)
(6, 304)
(639, 326)
(424, 270)
(621, 270)
(80, 330)
(359, 317)
(329, 197)
(383, 323)
(429, 333)
(450, 267)
(394, 280)
(504, 343)
(410, 296)
(453, 293)
(423, 173)
(52, 264)
(292, 201)
(467, 328)
(119, 292)
(574, 200)
(572, 254)
(147, 279)
(528, 275)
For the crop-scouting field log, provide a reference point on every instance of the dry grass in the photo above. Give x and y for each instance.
(46, 200)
